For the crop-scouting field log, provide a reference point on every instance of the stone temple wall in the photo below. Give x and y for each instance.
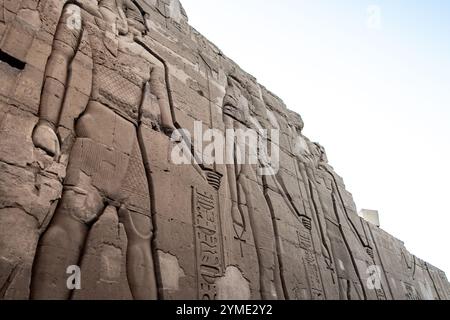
(93, 97)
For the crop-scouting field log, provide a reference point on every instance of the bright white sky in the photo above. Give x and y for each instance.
(374, 92)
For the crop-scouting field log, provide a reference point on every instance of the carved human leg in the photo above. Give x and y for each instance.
(140, 264)
(62, 244)
(233, 172)
(263, 233)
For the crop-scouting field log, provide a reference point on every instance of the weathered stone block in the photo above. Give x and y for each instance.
(141, 223)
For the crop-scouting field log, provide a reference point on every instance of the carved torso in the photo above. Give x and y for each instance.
(120, 71)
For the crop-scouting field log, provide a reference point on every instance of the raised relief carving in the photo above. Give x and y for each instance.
(311, 266)
(235, 106)
(208, 243)
(96, 96)
(343, 217)
(249, 212)
(305, 231)
(307, 165)
(106, 163)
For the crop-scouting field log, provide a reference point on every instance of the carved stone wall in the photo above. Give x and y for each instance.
(93, 99)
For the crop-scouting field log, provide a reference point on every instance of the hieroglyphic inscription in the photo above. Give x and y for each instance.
(209, 247)
(411, 292)
(379, 291)
(311, 265)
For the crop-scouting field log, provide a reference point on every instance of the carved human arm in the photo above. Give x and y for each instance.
(65, 46)
(159, 88)
(230, 161)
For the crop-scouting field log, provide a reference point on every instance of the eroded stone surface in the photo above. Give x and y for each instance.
(91, 96)
(233, 285)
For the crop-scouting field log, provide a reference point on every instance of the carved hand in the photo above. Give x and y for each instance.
(45, 138)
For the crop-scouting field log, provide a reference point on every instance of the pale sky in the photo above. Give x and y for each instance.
(371, 80)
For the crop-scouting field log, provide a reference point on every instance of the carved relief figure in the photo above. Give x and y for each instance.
(106, 168)
(106, 192)
(235, 106)
(311, 214)
(350, 243)
(348, 280)
(249, 212)
(307, 164)
(305, 232)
